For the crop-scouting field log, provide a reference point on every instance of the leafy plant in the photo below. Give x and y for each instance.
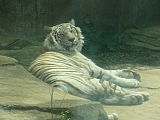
(97, 41)
(64, 115)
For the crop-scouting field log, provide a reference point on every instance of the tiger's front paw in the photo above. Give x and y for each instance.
(136, 98)
(144, 94)
(133, 99)
(133, 75)
(133, 83)
(128, 83)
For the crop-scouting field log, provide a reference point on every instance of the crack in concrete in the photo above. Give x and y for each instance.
(26, 108)
(11, 64)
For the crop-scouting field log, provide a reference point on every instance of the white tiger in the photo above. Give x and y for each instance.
(68, 70)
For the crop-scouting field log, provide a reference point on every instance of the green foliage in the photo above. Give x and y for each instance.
(139, 26)
(64, 115)
(106, 48)
(97, 41)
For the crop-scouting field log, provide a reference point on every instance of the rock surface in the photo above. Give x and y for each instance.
(4, 60)
(26, 55)
(24, 97)
(28, 18)
(147, 37)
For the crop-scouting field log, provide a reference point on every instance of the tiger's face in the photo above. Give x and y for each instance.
(65, 36)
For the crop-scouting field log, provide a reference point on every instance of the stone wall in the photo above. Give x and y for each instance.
(27, 17)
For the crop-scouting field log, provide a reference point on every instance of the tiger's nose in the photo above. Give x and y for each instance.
(71, 40)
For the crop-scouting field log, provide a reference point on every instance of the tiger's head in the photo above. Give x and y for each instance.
(64, 37)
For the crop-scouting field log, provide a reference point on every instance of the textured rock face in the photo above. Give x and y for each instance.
(27, 17)
(4, 60)
(147, 38)
(26, 55)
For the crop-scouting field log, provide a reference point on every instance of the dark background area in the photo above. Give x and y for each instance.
(27, 17)
(103, 22)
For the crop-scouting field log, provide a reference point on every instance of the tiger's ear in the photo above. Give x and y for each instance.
(47, 28)
(72, 21)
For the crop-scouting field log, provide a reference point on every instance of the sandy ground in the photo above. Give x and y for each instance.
(149, 110)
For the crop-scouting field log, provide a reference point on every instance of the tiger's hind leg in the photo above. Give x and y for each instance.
(106, 92)
(90, 89)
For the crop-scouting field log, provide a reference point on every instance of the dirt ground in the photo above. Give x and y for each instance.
(149, 110)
